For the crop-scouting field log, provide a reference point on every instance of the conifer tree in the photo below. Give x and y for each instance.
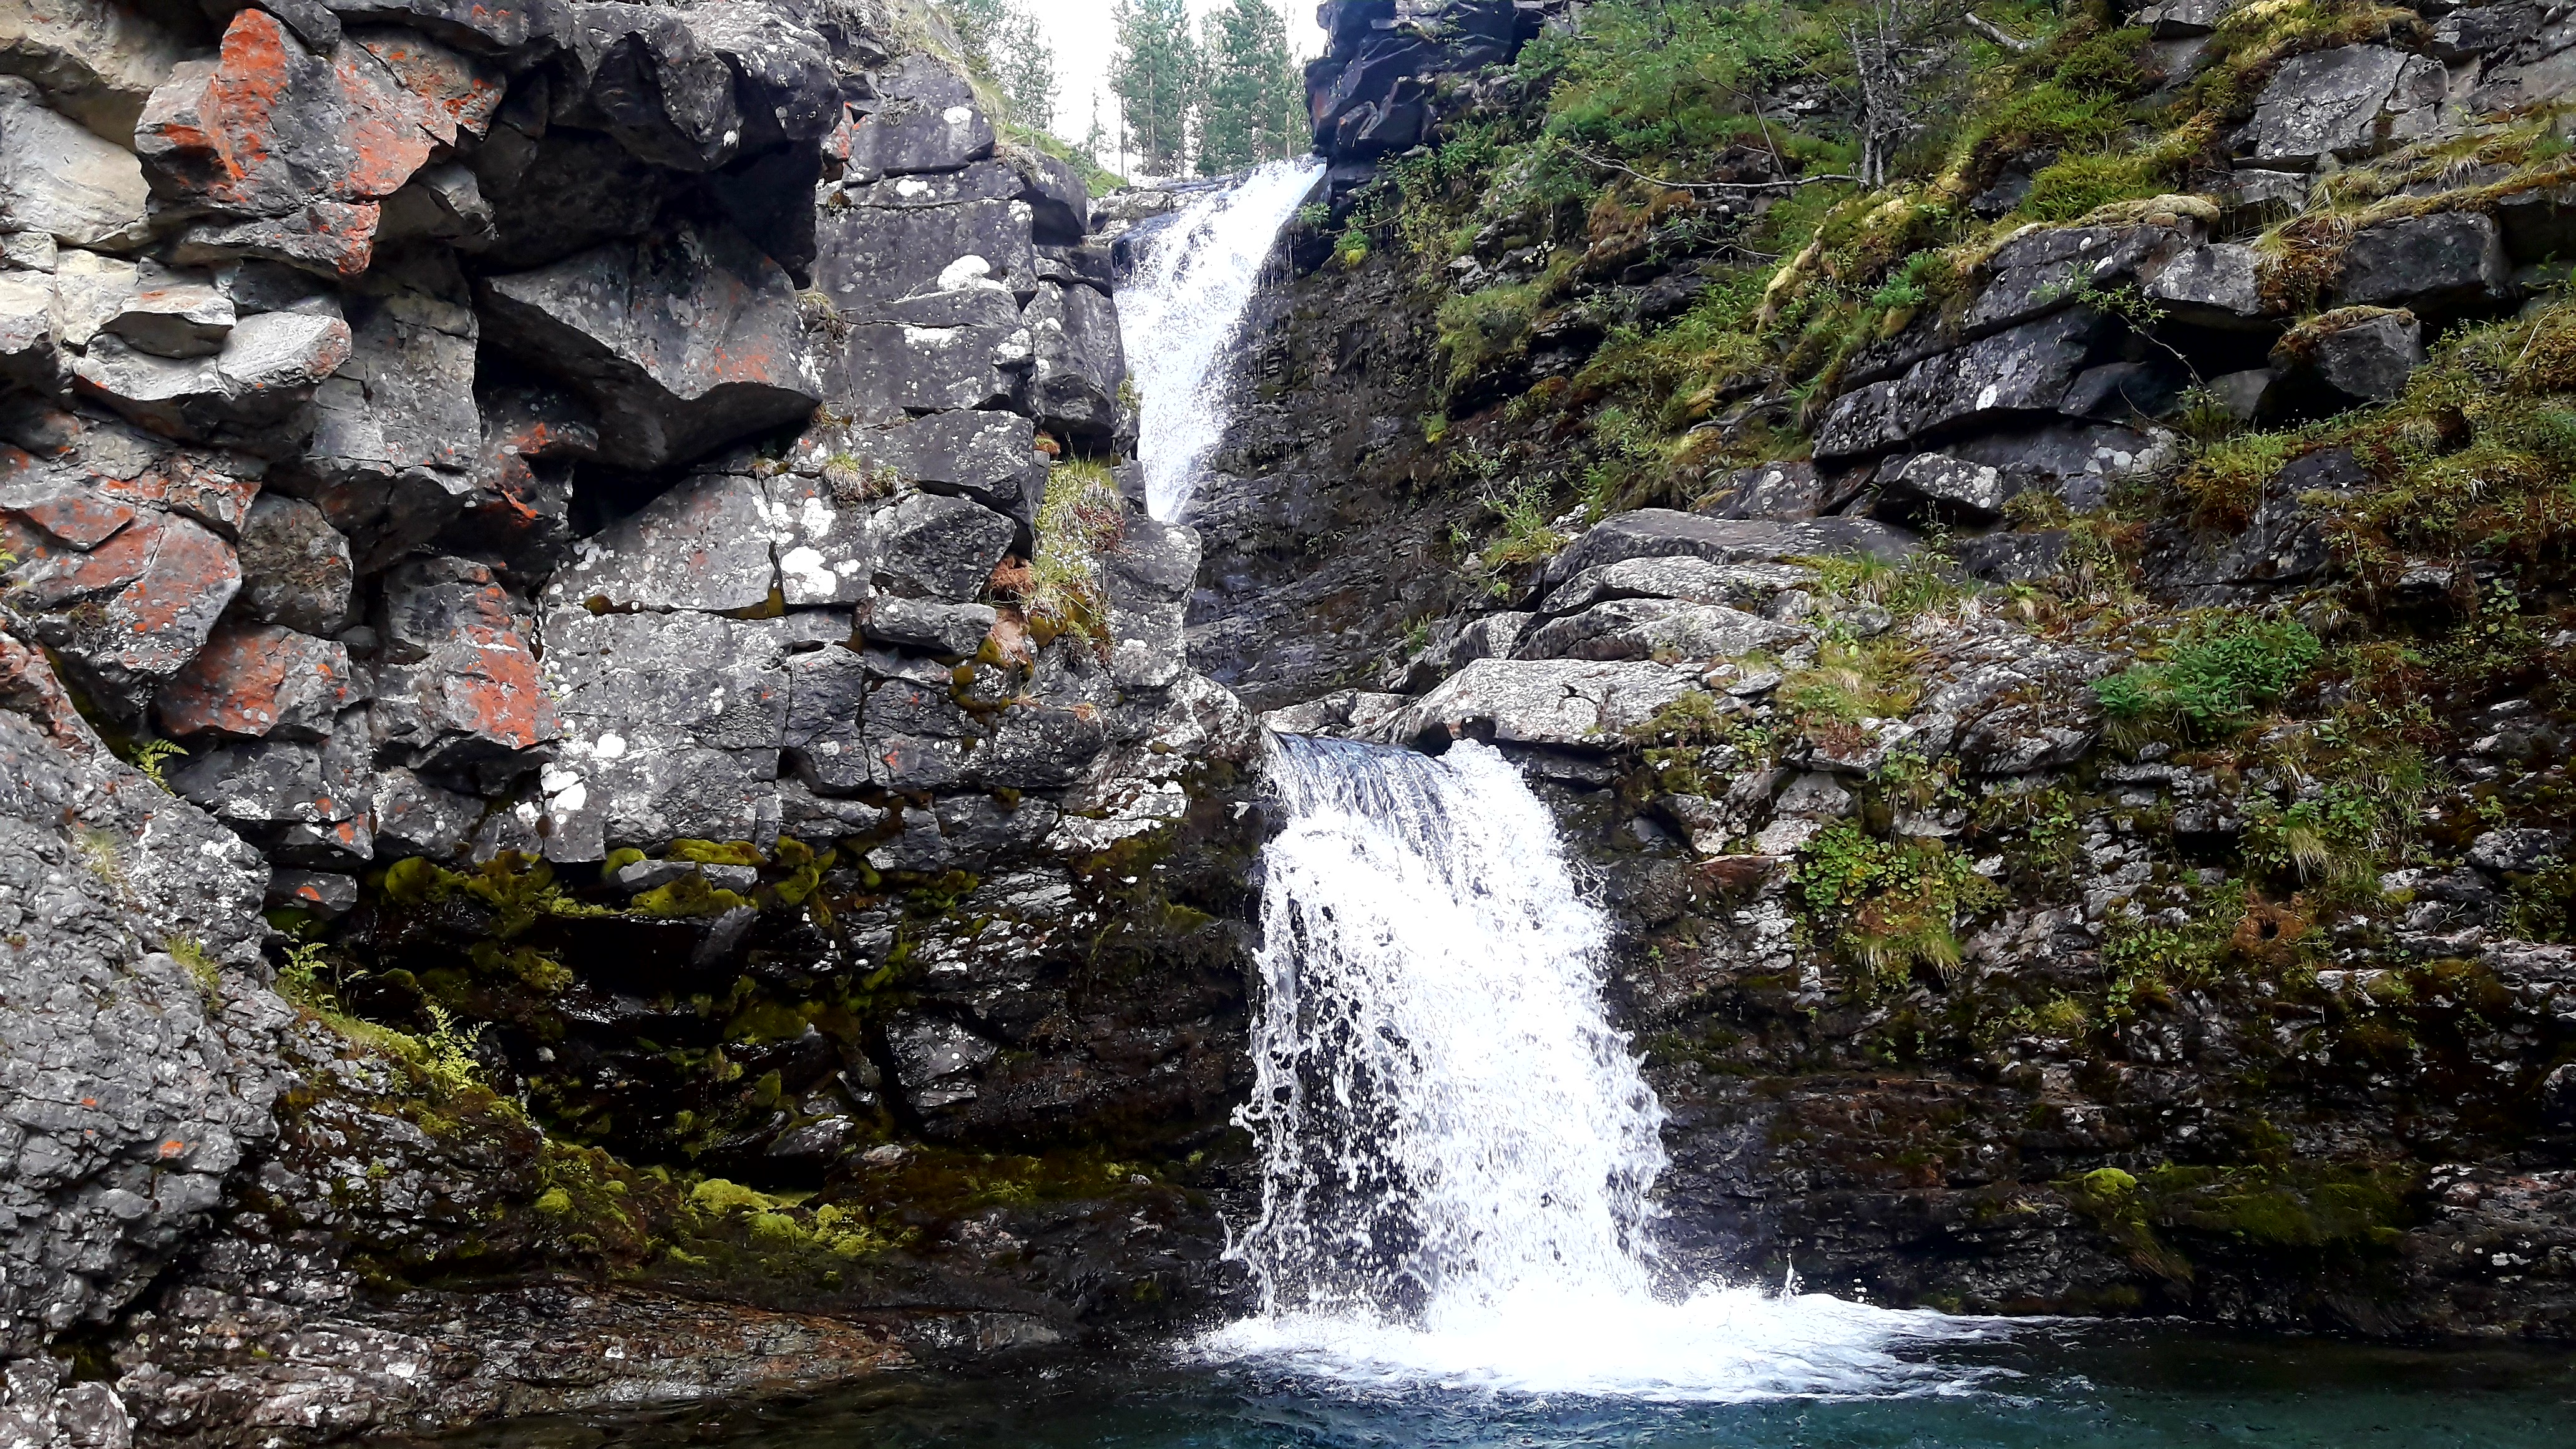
(1253, 107)
(1007, 46)
(1157, 75)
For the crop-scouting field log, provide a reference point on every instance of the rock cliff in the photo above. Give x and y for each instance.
(2054, 657)
(606, 800)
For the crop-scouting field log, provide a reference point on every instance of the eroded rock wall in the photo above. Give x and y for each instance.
(1975, 970)
(596, 519)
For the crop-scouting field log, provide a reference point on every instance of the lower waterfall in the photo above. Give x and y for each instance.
(1458, 1149)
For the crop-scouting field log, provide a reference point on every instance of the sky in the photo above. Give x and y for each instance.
(1085, 41)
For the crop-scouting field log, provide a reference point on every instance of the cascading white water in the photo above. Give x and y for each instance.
(1181, 312)
(1457, 1146)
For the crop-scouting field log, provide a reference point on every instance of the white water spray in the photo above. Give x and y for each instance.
(1457, 1146)
(1182, 312)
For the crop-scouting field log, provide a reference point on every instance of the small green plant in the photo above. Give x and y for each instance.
(447, 1053)
(1529, 534)
(152, 757)
(1066, 591)
(2214, 684)
(191, 953)
(1891, 906)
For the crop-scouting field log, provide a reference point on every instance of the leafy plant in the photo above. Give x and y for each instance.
(2213, 685)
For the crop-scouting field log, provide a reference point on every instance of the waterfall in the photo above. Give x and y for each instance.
(1181, 312)
(1457, 1146)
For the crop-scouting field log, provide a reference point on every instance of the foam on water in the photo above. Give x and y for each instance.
(1181, 313)
(1458, 1148)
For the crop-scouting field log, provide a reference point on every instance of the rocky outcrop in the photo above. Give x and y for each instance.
(1369, 94)
(549, 495)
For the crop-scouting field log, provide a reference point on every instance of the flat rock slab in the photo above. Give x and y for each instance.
(1664, 533)
(1560, 702)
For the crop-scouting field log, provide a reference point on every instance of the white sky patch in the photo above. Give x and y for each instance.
(1086, 41)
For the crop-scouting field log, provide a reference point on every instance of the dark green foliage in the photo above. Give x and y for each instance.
(1007, 46)
(1254, 106)
(1157, 77)
(2213, 684)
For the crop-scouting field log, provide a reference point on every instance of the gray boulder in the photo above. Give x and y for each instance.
(396, 435)
(1691, 580)
(939, 548)
(97, 64)
(128, 614)
(683, 343)
(135, 1082)
(60, 179)
(818, 531)
(2345, 104)
(295, 566)
(1080, 362)
(1566, 703)
(703, 545)
(269, 367)
(868, 259)
(1938, 487)
(415, 817)
(1658, 629)
(672, 726)
(1662, 533)
(173, 314)
(2215, 286)
(929, 121)
(259, 681)
(2367, 357)
(989, 457)
(1774, 490)
(2026, 369)
(948, 629)
(824, 734)
(457, 684)
(2445, 262)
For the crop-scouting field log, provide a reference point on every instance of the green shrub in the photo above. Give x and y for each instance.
(2213, 686)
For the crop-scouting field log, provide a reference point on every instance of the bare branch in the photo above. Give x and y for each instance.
(1997, 34)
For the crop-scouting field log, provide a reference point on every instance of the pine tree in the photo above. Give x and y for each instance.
(1007, 46)
(1157, 74)
(1252, 90)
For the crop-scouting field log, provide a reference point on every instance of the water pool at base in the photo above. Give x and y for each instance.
(2075, 1387)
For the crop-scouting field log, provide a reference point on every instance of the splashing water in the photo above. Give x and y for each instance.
(1457, 1146)
(1181, 313)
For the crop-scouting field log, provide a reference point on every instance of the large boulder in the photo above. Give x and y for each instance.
(2343, 105)
(290, 146)
(1562, 703)
(870, 258)
(928, 121)
(96, 63)
(134, 1080)
(2220, 285)
(703, 545)
(693, 89)
(61, 180)
(1663, 533)
(127, 613)
(2024, 370)
(243, 395)
(1080, 361)
(989, 457)
(2447, 262)
(457, 685)
(1666, 630)
(672, 728)
(683, 342)
(395, 431)
(296, 568)
(260, 681)
(303, 804)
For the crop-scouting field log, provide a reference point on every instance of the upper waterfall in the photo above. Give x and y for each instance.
(1182, 312)
(1457, 1146)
